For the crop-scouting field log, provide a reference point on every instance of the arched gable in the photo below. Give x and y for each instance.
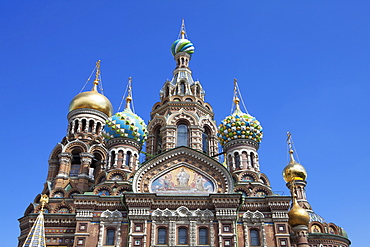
(182, 171)
(183, 115)
(77, 143)
(56, 151)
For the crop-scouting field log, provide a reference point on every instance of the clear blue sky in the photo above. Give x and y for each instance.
(302, 66)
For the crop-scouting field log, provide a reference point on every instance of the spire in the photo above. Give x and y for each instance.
(129, 93)
(97, 75)
(236, 100)
(36, 237)
(182, 30)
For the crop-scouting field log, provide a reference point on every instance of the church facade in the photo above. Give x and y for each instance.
(182, 194)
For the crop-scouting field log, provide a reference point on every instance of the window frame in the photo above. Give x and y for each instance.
(182, 240)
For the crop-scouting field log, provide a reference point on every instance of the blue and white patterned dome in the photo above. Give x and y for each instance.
(240, 126)
(126, 124)
(182, 45)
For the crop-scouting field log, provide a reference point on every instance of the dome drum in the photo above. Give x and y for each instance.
(240, 142)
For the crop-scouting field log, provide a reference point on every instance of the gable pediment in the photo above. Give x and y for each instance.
(182, 171)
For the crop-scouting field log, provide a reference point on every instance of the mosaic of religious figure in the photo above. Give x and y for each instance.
(182, 180)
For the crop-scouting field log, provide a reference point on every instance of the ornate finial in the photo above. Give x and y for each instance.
(289, 142)
(44, 200)
(182, 31)
(236, 99)
(129, 93)
(97, 74)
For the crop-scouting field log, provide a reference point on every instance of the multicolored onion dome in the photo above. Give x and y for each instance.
(125, 124)
(240, 126)
(182, 45)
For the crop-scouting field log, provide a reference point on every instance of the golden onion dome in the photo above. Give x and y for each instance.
(92, 100)
(298, 215)
(294, 170)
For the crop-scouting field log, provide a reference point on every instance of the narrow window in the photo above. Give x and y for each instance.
(205, 140)
(167, 92)
(182, 135)
(128, 158)
(252, 159)
(91, 125)
(182, 236)
(83, 127)
(182, 87)
(75, 164)
(255, 238)
(112, 158)
(158, 141)
(203, 236)
(162, 236)
(98, 127)
(237, 161)
(76, 126)
(110, 237)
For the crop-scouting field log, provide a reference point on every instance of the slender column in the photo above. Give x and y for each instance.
(172, 233)
(212, 233)
(193, 233)
(246, 234)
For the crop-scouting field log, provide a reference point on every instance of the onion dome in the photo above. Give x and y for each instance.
(298, 215)
(239, 126)
(182, 45)
(294, 170)
(126, 124)
(92, 99)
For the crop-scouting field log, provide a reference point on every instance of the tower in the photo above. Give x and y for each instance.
(182, 117)
(240, 135)
(307, 226)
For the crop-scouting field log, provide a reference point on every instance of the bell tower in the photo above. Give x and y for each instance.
(182, 117)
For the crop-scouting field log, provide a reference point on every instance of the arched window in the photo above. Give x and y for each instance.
(128, 158)
(252, 159)
(75, 163)
(113, 158)
(167, 92)
(83, 127)
(182, 135)
(110, 237)
(237, 160)
(182, 88)
(91, 125)
(158, 141)
(229, 161)
(76, 126)
(255, 238)
(98, 127)
(182, 236)
(120, 158)
(203, 236)
(205, 140)
(162, 235)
